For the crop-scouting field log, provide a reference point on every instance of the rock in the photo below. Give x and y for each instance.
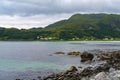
(50, 55)
(116, 54)
(39, 78)
(111, 69)
(95, 70)
(86, 72)
(110, 56)
(59, 53)
(104, 57)
(72, 69)
(101, 68)
(74, 53)
(85, 56)
(109, 62)
(115, 75)
(50, 77)
(100, 76)
(17, 79)
(112, 59)
(80, 67)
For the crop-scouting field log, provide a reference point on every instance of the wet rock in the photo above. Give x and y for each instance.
(112, 59)
(70, 74)
(104, 57)
(59, 53)
(72, 69)
(100, 76)
(86, 72)
(116, 54)
(85, 56)
(109, 63)
(115, 75)
(18, 79)
(74, 53)
(39, 78)
(80, 67)
(110, 56)
(101, 68)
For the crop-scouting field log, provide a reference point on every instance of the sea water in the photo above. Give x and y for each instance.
(27, 59)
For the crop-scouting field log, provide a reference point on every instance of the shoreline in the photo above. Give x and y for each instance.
(101, 65)
(56, 41)
(101, 71)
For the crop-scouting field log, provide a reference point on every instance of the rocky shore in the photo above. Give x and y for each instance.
(102, 66)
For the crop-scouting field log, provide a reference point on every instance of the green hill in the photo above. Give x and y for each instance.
(77, 27)
(87, 26)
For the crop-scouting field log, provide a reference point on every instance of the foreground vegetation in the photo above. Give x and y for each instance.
(77, 27)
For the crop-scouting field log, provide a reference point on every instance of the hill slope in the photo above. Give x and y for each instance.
(77, 27)
(93, 26)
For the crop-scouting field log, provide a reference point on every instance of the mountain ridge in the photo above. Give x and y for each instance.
(77, 27)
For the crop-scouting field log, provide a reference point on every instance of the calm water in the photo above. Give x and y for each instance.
(30, 59)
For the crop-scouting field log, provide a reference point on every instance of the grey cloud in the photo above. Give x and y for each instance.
(36, 7)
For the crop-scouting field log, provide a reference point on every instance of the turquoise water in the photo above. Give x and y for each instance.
(18, 58)
(11, 65)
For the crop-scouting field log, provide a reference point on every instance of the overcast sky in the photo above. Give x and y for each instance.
(40, 13)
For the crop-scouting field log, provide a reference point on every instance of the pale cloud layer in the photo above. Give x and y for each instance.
(39, 13)
(30, 21)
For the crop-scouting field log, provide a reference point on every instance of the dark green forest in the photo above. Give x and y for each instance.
(77, 27)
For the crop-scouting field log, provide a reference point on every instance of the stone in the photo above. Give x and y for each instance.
(72, 69)
(86, 72)
(100, 76)
(59, 53)
(85, 56)
(74, 53)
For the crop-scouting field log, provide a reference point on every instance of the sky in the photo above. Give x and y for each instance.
(40, 13)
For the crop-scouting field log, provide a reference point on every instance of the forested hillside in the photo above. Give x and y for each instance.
(77, 27)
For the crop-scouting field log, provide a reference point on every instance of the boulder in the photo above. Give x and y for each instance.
(101, 68)
(116, 54)
(104, 57)
(60, 53)
(100, 76)
(85, 56)
(115, 75)
(86, 72)
(74, 53)
(72, 69)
